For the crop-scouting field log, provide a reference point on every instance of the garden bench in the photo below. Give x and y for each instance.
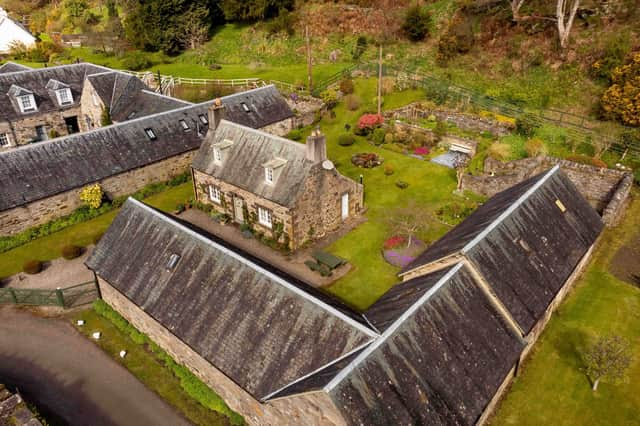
(331, 261)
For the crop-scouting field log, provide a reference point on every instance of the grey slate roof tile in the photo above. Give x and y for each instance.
(254, 326)
(243, 162)
(8, 67)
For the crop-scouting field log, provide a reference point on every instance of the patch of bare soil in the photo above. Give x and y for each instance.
(625, 265)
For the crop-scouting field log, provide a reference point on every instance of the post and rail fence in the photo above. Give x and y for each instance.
(67, 297)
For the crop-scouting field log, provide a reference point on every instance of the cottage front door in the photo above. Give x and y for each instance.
(238, 212)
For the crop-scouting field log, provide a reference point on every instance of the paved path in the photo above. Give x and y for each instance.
(51, 363)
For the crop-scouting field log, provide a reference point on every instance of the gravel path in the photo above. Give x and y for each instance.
(54, 366)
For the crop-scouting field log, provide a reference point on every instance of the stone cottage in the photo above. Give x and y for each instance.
(281, 188)
(39, 104)
(438, 348)
(40, 182)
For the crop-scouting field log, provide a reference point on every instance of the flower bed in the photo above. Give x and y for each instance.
(396, 252)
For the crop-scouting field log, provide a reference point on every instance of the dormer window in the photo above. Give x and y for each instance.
(217, 155)
(203, 119)
(245, 107)
(150, 134)
(184, 124)
(27, 103)
(219, 148)
(64, 96)
(272, 169)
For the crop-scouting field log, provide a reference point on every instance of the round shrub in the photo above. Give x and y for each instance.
(526, 125)
(71, 251)
(388, 170)
(388, 138)
(32, 267)
(352, 102)
(534, 147)
(346, 139)
(416, 23)
(378, 135)
(346, 86)
(295, 135)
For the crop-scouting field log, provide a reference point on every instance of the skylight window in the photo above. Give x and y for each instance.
(185, 125)
(561, 206)
(245, 107)
(130, 116)
(203, 119)
(173, 261)
(150, 133)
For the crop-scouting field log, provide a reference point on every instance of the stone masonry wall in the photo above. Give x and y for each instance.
(281, 128)
(24, 130)
(462, 120)
(599, 186)
(319, 208)
(311, 409)
(38, 212)
(249, 200)
(91, 106)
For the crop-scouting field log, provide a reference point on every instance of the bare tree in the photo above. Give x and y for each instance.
(566, 11)
(607, 357)
(409, 221)
(460, 164)
(515, 9)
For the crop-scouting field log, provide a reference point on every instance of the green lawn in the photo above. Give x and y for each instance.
(148, 368)
(82, 234)
(552, 387)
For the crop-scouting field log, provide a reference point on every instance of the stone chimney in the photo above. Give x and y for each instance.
(215, 114)
(316, 146)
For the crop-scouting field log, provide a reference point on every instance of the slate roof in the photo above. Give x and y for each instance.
(35, 171)
(12, 67)
(36, 80)
(522, 244)
(265, 104)
(127, 96)
(243, 162)
(259, 329)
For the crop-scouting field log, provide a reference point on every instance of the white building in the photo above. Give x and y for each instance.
(12, 32)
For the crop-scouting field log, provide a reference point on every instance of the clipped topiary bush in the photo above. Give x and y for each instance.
(346, 86)
(71, 251)
(346, 139)
(32, 267)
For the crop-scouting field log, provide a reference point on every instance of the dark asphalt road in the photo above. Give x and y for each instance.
(50, 362)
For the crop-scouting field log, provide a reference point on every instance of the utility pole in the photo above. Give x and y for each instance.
(309, 61)
(380, 81)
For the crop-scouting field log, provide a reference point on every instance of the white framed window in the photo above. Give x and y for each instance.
(264, 217)
(64, 96)
(215, 194)
(27, 103)
(268, 174)
(217, 155)
(4, 139)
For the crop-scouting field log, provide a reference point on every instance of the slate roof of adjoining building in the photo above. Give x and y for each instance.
(258, 328)
(256, 108)
(12, 67)
(127, 96)
(244, 160)
(523, 243)
(35, 80)
(40, 170)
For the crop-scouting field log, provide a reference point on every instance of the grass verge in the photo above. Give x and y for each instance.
(155, 368)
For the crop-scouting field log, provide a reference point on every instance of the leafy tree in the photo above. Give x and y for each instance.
(608, 357)
(75, 8)
(416, 23)
(252, 10)
(621, 101)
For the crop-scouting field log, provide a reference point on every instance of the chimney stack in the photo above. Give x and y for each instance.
(316, 146)
(215, 114)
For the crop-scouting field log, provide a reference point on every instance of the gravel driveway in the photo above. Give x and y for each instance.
(53, 365)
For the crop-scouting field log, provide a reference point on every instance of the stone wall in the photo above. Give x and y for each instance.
(312, 409)
(91, 106)
(24, 130)
(232, 194)
(599, 186)
(306, 109)
(465, 121)
(318, 211)
(281, 128)
(38, 212)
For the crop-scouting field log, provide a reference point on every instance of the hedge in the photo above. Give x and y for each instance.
(193, 386)
(71, 251)
(84, 213)
(32, 267)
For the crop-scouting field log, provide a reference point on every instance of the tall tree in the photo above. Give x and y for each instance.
(253, 10)
(515, 8)
(566, 11)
